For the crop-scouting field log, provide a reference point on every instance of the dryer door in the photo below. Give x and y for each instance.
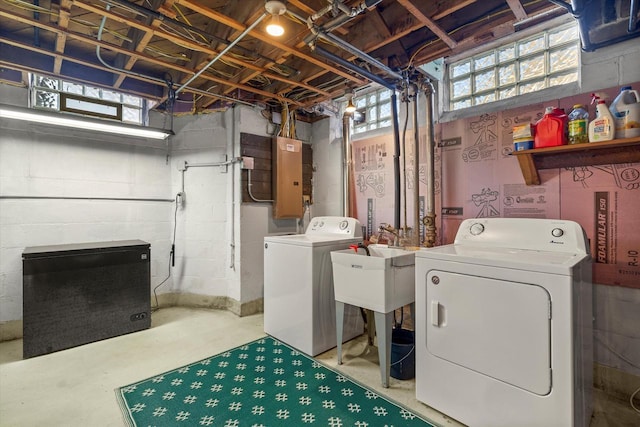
(494, 327)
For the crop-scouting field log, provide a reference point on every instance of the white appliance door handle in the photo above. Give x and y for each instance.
(435, 313)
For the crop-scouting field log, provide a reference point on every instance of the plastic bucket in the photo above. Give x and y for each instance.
(403, 354)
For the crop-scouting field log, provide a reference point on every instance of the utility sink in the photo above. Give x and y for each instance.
(381, 282)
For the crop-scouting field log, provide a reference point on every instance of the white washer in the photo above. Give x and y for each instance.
(299, 304)
(504, 324)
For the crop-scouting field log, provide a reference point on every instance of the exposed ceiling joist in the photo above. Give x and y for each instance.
(147, 43)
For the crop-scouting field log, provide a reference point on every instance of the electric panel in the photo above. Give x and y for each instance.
(287, 178)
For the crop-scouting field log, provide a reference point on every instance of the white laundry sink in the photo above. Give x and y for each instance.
(381, 282)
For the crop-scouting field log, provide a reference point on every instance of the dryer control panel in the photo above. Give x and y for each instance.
(549, 235)
(346, 226)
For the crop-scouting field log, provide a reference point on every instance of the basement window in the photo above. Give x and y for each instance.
(549, 58)
(375, 107)
(55, 94)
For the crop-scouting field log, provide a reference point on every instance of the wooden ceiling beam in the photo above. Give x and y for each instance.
(141, 45)
(454, 6)
(427, 22)
(119, 49)
(209, 13)
(61, 38)
(179, 40)
(517, 9)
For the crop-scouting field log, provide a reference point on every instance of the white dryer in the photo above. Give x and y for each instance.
(504, 324)
(299, 303)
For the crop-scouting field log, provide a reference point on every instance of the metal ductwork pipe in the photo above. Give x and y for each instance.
(416, 169)
(342, 19)
(396, 160)
(346, 164)
(633, 15)
(577, 9)
(430, 214)
(359, 54)
(348, 65)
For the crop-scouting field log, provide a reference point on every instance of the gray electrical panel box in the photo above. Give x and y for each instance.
(79, 293)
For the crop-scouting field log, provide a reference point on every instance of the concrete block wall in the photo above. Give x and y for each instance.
(49, 179)
(255, 219)
(328, 165)
(201, 223)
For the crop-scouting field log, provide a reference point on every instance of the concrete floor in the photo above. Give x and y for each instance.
(75, 387)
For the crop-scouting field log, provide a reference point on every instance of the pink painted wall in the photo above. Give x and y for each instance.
(477, 177)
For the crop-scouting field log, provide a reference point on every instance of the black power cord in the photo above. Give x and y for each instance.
(172, 257)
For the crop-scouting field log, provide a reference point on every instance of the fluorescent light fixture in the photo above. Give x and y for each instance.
(64, 120)
(275, 8)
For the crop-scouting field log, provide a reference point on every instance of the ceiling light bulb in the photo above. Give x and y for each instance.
(274, 28)
(275, 8)
(350, 108)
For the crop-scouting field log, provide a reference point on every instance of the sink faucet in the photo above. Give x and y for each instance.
(389, 229)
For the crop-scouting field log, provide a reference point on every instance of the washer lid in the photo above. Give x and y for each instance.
(312, 240)
(523, 259)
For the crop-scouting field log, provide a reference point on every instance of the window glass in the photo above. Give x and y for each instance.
(508, 92)
(484, 61)
(466, 103)
(485, 81)
(72, 88)
(563, 59)
(461, 69)
(532, 87)
(111, 96)
(385, 110)
(531, 46)
(562, 79)
(461, 88)
(45, 93)
(133, 115)
(46, 99)
(550, 58)
(92, 92)
(563, 36)
(533, 67)
(48, 82)
(483, 99)
(507, 74)
(377, 108)
(506, 54)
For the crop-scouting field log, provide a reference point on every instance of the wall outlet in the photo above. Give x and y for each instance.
(180, 199)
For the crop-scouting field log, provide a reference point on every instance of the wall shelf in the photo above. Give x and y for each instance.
(564, 156)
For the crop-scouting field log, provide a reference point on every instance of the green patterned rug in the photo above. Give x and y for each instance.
(264, 383)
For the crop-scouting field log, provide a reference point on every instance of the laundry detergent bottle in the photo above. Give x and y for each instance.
(551, 129)
(602, 127)
(625, 110)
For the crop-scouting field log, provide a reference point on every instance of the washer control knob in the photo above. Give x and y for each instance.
(557, 232)
(476, 229)
(343, 224)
